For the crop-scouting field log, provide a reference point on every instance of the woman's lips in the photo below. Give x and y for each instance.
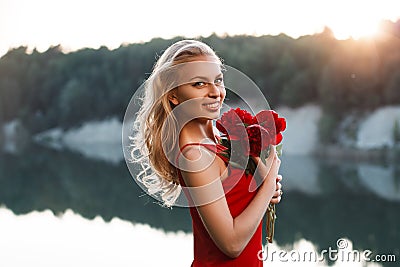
(212, 105)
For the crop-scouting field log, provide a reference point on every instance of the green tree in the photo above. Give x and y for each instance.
(298, 90)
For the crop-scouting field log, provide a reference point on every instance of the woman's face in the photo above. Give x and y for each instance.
(201, 90)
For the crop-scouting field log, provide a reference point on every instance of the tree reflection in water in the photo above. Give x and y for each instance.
(323, 200)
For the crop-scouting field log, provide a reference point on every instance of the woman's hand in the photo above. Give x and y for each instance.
(269, 170)
(264, 169)
(278, 192)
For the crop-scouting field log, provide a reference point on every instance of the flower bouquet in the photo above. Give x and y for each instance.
(245, 135)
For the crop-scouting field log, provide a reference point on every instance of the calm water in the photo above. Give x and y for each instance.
(324, 200)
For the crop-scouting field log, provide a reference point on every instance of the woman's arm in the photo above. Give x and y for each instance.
(231, 235)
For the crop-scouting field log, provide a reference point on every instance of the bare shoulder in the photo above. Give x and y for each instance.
(193, 152)
(198, 165)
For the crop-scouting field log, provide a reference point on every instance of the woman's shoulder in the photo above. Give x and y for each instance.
(195, 152)
(192, 151)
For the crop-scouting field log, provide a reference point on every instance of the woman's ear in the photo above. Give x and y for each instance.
(172, 97)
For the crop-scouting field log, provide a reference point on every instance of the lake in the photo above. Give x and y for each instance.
(57, 205)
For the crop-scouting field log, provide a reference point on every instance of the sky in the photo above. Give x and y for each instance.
(93, 23)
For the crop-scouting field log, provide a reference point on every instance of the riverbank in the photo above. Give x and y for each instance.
(376, 155)
(370, 137)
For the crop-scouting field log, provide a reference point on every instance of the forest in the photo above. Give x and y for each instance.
(53, 88)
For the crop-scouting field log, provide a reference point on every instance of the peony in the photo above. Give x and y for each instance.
(259, 139)
(233, 123)
(255, 133)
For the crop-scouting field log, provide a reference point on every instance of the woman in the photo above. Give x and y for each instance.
(178, 149)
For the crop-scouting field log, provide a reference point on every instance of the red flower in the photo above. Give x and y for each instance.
(266, 118)
(234, 122)
(278, 139)
(270, 120)
(254, 134)
(245, 116)
(280, 125)
(258, 138)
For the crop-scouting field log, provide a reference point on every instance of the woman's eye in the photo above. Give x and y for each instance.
(199, 84)
(219, 81)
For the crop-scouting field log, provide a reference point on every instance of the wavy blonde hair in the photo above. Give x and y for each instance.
(156, 125)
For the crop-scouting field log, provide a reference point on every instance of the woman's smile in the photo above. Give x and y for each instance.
(212, 106)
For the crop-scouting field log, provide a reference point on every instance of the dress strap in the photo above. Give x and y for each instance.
(215, 148)
(190, 144)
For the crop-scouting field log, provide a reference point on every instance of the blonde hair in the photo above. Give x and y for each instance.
(156, 125)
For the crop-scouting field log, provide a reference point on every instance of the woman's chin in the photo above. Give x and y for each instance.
(208, 117)
(212, 115)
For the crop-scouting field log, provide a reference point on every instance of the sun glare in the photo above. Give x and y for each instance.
(358, 19)
(356, 31)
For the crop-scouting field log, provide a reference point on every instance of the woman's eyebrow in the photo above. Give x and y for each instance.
(203, 77)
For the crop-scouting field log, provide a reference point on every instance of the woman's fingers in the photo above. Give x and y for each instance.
(278, 180)
(270, 167)
(272, 151)
(276, 200)
(275, 166)
(278, 191)
(278, 186)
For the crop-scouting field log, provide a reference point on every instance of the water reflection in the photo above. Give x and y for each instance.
(71, 240)
(59, 180)
(324, 200)
(300, 174)
(42, 239)
(384, 181)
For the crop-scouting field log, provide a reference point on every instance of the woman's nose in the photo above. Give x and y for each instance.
(214, 90)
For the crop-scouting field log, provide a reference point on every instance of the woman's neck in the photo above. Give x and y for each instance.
(197, 131)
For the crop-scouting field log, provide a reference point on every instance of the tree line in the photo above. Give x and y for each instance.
(53, 88)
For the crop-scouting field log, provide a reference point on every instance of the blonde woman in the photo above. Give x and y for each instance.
(176, 145)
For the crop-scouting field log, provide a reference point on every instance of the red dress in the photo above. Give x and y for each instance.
(239, 191)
